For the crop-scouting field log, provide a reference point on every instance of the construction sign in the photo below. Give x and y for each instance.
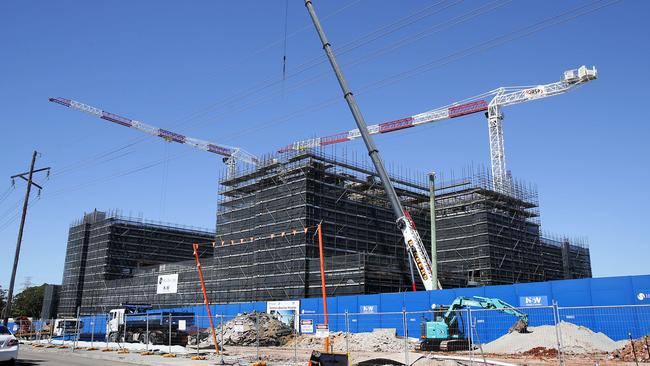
(167, 284)
(322, 330)
(307, 326)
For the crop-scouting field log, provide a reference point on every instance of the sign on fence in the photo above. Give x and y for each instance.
(533, 301)
(239, 326)
(368, 309)
(307, 326)
(286, 311)
(322, 330)
(643, 296)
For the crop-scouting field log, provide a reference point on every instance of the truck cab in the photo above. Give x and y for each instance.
(66, 326)
(115, 319)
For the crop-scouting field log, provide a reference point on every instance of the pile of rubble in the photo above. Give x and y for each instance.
(641, 349)
(379, 340)
(245, 330)
(575, 340)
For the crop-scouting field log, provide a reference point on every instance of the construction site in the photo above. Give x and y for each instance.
(265, 247)
(325, 256)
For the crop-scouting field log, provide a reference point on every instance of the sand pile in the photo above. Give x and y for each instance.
(379, 340)
(575, 340)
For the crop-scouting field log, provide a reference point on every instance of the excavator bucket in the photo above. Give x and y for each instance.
(520, 326)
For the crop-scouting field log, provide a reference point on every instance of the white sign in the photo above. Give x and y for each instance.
(167, 284)
(239, 326)
(307, 326)
(322, 330)
(368, 309)
(182, 324)
(287, 312)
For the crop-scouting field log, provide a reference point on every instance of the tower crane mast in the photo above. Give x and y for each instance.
(231, 154)
(500, 97)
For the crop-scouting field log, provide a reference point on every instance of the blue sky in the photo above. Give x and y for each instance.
(172, 64)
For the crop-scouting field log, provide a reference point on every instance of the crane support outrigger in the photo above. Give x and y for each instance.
(412, 239)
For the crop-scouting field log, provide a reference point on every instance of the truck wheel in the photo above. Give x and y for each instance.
(153, 338)
(114, 337)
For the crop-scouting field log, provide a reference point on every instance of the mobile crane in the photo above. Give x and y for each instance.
(447, 332)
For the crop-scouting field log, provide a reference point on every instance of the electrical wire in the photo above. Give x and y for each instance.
(364, 40)
(508, 37)
(6, 194)
(445, 60)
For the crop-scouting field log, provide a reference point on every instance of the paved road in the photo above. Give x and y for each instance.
(27, 357)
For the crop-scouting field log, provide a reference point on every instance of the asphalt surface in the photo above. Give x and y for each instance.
(26, 357)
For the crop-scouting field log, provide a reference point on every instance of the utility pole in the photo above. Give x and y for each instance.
(432, 215)
(29, 174)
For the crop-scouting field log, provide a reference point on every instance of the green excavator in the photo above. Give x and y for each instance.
(447, 331)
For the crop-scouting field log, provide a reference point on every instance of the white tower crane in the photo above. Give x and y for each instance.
(231, 154)
(501, 97)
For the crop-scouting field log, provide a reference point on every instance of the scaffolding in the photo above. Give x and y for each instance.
(106, 246)
(265, 246)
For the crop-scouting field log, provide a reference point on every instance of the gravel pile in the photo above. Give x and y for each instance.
(575, 340)
(379, 340)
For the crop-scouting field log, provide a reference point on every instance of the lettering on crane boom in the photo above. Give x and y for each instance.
(534, 93)
(418, 261)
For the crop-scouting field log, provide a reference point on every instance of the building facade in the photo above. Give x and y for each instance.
(266, 245)
(104, 247)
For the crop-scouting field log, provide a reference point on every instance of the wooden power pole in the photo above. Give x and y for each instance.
(29, 174)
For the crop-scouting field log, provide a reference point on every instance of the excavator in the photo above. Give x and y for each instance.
(447, 333)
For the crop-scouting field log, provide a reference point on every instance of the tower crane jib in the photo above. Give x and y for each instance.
(491, 102)
(232, 154)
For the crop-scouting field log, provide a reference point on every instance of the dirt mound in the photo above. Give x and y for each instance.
(242, 331)
(575, 340)
(640, 347)
(542, 352)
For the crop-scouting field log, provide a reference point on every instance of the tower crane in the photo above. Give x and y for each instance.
(501, 97)
(231, 154)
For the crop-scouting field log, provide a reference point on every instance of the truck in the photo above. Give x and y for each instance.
(447, 331)
(138, 323)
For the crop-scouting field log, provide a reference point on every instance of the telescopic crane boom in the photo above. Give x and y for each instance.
(500, 97)
(231, 154)
(404, 223)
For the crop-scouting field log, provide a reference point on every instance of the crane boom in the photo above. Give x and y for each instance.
(500, 97)
(230, 152)
(412, 239)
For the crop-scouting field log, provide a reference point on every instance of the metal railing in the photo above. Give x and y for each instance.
(556, 334)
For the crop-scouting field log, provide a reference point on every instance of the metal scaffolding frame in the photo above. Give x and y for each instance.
(265, 246)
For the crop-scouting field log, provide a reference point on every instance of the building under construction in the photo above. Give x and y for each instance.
(108, 247)
(266, 244)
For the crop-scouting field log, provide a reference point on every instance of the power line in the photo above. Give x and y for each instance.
(364, 40)
(494, 42)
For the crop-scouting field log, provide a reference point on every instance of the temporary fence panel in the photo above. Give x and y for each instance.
(617, 322)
